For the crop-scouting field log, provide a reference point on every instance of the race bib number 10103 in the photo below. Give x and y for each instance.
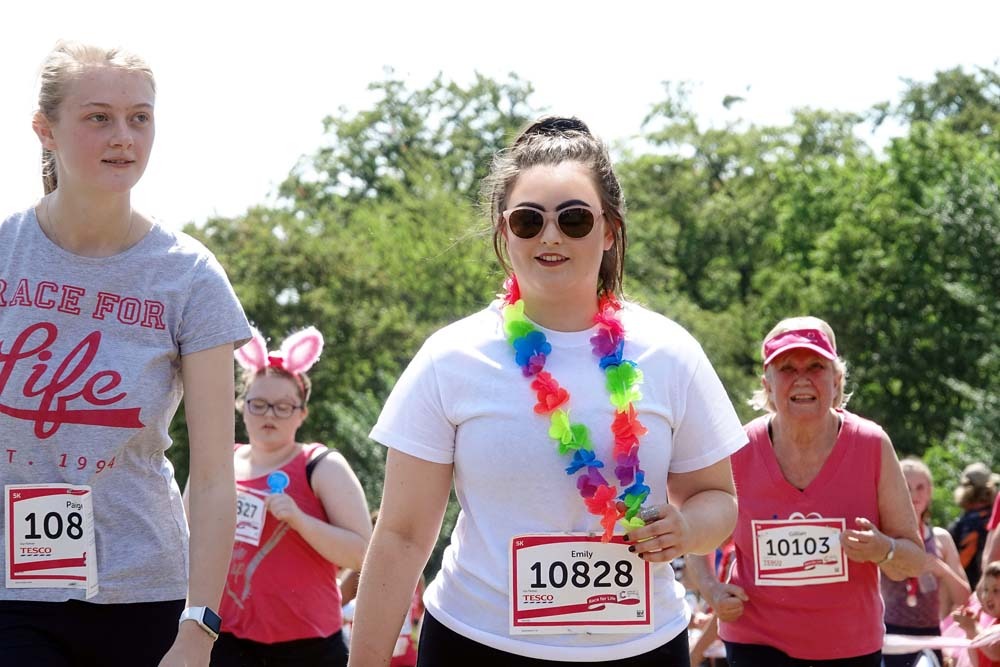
(798, 552)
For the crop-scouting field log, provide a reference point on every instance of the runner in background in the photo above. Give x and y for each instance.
(301, 515)
(916, 605)
(823, 506)
(557, 409)
(106, 319)
(981, 623)
(975, 493)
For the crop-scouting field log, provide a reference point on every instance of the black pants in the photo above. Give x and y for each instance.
(757, 655)
(83, 634)
(441, 647)
(231, 651)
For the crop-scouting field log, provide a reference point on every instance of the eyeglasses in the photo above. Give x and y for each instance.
(282, 410)
(574, 222)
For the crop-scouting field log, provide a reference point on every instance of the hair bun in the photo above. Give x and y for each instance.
(557, 125)
(979, 475)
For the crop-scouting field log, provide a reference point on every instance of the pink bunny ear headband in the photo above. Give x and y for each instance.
(296, 355)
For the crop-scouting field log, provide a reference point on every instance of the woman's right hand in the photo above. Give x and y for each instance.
(727, 600)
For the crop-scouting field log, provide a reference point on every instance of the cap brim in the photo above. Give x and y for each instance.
(826, 354)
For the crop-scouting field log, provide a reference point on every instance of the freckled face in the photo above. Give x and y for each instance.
(801, 383)
(552, 265)
(103, 133)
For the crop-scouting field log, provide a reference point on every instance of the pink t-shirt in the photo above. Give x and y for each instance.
(817, 621)
(282, 589)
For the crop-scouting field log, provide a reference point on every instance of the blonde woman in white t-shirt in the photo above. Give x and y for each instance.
(564, 415)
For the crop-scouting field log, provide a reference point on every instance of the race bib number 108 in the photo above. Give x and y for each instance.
(49, 537)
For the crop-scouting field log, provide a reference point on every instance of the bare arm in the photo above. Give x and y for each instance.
(700, 514)
(709, 634)
(208, 406)
(898, 525)
(348, 582)
(725, 599)
(344, 539)
(949, 571)
(414, 499)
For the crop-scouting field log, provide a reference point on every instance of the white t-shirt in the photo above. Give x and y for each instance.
(463, 400)
(90, 379)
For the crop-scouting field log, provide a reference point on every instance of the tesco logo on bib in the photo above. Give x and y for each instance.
(536, 597)
(29, 551)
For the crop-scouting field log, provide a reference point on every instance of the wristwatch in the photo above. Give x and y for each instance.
(892, 551)
(206, 618)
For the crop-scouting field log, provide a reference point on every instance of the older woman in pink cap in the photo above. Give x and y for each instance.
(823, 506)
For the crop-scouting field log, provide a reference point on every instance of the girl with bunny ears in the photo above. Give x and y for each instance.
(301, 515)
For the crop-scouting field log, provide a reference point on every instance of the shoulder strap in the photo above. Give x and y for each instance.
(315, 462)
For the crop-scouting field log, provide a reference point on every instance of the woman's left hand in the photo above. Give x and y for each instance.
(283, 508)
(663, 538)
(191, 648)
(867, 543)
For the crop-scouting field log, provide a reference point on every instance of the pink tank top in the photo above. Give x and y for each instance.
(282, 589)
(818, 621)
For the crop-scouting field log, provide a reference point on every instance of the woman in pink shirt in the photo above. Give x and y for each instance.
(823, 506)
(301, 515)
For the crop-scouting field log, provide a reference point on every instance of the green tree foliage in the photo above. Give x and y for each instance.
(377, 241)
(377, 244)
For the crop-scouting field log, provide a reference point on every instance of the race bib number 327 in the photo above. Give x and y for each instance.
(575, 583)
(49, 537)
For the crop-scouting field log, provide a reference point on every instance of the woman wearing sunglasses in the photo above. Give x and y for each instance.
(300, 515)
(564, 415)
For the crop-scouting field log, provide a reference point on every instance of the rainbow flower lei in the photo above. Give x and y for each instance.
(623, 378)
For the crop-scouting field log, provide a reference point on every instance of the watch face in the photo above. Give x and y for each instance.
(212, 620)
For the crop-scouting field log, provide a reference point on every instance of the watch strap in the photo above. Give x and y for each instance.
(892, 551)
(206, 619)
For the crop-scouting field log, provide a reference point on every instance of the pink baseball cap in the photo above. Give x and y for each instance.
(809, 339)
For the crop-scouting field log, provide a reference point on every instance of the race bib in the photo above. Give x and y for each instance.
(798, 552)
(49, 537)
(562, 584)
(250, 515)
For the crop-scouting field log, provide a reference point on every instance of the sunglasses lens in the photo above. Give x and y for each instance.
(525, 223)
(576, 222)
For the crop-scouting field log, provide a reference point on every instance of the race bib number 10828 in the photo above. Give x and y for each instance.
(575, 583)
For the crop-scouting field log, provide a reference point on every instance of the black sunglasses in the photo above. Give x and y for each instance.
(574, 222)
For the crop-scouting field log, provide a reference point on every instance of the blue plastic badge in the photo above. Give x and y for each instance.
(278, 481)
